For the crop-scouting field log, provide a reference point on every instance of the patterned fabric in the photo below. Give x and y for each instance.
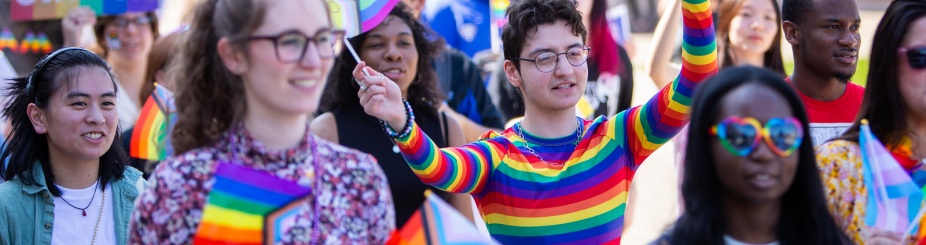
(526, 201)
(840, 163)
(355, 207)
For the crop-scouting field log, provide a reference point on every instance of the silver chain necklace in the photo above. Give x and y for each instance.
(527, 142)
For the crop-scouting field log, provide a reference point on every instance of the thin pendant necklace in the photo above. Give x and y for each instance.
(527, 142)
(98, 218)
(84, 210)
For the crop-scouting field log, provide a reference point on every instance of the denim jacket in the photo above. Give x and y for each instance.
(27, 212)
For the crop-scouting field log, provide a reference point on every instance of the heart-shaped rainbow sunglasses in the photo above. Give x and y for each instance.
(742, 135)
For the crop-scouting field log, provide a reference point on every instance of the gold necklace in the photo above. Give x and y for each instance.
(98, 218)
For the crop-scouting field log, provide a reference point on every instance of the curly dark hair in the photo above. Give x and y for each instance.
(526, 15)
(424, 94)
(209, 97)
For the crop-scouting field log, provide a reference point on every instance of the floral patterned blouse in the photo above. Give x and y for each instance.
(353, 196)
(840, 163)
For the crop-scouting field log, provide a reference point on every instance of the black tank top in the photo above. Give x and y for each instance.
(360, 131)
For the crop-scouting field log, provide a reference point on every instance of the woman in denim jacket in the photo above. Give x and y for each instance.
(67, 183)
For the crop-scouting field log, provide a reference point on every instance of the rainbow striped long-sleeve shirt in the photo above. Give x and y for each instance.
(524, 200)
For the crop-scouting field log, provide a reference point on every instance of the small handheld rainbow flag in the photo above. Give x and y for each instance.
(151, 137)
(436, 222)
(359, 16)
(247, 206)
(894, 201)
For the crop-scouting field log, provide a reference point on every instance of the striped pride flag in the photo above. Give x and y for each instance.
(44, 10)
(359, 16)
(151, 137)
(436, 222)
(894, 201)
(247, 206)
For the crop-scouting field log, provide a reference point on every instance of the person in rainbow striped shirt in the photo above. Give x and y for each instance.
(553, 177)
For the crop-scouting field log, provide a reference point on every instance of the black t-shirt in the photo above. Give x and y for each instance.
(363, 132)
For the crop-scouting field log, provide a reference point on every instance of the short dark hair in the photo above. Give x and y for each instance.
(796, 10)
(525, 15)
(24, 146)
(804, 219)
(424, 95)
(883, 104)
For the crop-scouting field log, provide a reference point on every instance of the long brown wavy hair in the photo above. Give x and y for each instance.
(209, 97)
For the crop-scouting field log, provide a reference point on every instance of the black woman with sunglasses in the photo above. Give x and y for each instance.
(895, 106)
(750, 176)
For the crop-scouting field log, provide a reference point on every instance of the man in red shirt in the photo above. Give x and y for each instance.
(824, 36)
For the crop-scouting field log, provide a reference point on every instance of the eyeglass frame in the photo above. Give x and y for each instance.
(763, 134)
(122, 23)
(909, 52)
(337, 38)
(585, 48)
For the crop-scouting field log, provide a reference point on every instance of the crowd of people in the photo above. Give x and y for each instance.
(540, 149)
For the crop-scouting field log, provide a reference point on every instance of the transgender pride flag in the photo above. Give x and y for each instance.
(436, 222)
(359, 16)
(893, 199)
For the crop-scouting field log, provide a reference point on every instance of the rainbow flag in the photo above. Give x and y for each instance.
(248, 206)
(151, 136)
(45, 10)
(359, 16)
(894, 201)
(436, 222)
(7, 40)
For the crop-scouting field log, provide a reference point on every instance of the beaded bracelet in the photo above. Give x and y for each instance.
(409, 119)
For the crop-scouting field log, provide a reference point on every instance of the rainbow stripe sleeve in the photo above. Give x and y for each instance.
(651, 125)
(454, 169)
(466, 169)
(524, 200)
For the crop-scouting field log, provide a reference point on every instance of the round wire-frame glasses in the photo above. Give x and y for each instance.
(547, 61)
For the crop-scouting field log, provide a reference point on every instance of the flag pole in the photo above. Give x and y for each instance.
(914, 223)
(356, 57)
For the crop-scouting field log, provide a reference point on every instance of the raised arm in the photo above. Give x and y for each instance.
(660, 67)
(77, 28)
(456, 169)
(652, 124)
